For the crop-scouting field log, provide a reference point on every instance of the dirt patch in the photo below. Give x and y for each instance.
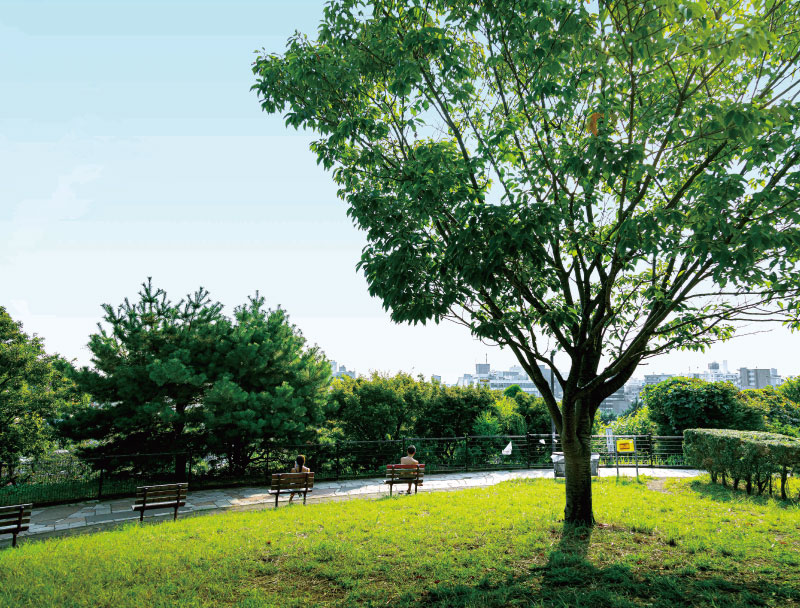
(658, 485)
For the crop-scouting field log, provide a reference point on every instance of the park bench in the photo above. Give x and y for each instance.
(167, 496)
(288, 483)
(15, 519)
(403, 474)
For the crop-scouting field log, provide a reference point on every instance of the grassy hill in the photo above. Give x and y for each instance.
(682, 543)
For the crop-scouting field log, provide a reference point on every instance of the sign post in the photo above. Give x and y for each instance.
(627, 446)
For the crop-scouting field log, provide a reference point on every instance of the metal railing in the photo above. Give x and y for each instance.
(69, 478)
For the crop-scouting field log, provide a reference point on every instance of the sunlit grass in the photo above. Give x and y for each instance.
(691, 544)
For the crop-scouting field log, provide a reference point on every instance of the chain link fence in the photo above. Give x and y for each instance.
(67, 478)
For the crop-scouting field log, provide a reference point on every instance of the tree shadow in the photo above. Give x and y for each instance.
(569, 579)
(720, 493)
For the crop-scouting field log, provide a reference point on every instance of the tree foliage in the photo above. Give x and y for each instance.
(451, 410)
(150, 370)
(267, 385)
(791, 389)
(780, 414)
(179, 376)
(607, 181)
(34, 390)
(378, 406)
(677, 404)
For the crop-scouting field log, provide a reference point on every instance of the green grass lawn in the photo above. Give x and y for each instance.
(690, 544)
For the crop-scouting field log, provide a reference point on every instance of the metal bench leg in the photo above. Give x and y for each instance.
(304, 497)
(276, 499)
(175, 516)
(141, 515)
(14, 539)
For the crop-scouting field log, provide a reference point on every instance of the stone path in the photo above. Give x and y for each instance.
(93, 515)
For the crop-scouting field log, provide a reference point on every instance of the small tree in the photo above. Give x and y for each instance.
(269, 386)
(610, 181)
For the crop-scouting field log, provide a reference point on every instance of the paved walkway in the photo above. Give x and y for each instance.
(94, 514)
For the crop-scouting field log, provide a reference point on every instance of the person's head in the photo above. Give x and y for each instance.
(411, 450)
(301, 462)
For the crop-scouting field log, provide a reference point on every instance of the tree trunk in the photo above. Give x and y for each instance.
(577, 461)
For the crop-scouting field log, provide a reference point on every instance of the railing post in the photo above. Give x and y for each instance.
(336, 457)
(100, 485)
(652, 449)
(466, 452)
(189, 467)
(527, 450)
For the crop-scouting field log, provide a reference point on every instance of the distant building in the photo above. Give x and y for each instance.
(617, 403)
(758, 378)
(656, 378)
(341, 371)
(501, 380)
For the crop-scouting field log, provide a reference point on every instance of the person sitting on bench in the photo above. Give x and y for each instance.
(299, 467)
(409, 459)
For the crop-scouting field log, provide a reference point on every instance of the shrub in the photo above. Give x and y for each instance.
(685, 403)
(635, 423)
(781, 415)
(752, 456)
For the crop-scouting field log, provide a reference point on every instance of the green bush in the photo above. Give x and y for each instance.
(749, 456)
(687, 403)
(635, 423)
(781, 415)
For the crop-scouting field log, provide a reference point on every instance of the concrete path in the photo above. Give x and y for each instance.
(93, 515)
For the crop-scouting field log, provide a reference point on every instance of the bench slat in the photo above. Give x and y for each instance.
(162, 499)
(164, 486)
(292, 484)
(4, 521)
(158, 505)
(11, 529)
(153, 495)
(26, 508)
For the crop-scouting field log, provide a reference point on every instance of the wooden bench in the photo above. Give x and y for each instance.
(15, 519)
(404, 474)
(289, 483)
(167, 496)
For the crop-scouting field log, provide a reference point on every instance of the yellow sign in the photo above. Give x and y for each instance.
(625, 445)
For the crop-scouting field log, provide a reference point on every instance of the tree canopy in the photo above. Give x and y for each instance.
(34, 390)
(606, 181)
(268, 385)
(179, 376)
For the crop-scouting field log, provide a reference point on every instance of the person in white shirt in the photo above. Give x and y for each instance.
(409, 459)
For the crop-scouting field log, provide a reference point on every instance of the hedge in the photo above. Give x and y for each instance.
(750, 456)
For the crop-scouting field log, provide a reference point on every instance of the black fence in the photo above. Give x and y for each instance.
(68, 478)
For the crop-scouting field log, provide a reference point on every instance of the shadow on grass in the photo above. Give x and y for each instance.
(721, 493)
(570, 580)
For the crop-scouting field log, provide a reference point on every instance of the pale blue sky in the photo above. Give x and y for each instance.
(131, 145)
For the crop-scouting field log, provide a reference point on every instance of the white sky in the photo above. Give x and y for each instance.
(131, 146)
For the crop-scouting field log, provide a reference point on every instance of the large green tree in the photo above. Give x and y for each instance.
(34, 390)
(150, 369)
(268, 385)
(609, 182)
